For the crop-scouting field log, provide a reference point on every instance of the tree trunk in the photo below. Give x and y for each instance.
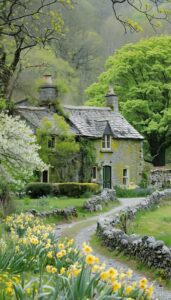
(158, 156)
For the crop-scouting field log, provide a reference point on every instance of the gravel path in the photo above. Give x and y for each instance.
(84, 235)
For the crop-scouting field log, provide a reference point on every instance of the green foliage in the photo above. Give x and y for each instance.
(88, 159)
(24, 25)
(75, 189)
(63, 156)
(132, 193)
(71, 189)
(141, 76)
(38, 189)
(40, 61)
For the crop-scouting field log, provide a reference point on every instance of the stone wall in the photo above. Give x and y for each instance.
(65, 213)
(124, 154)
(148, 250)
(97, 202)
(160, 178)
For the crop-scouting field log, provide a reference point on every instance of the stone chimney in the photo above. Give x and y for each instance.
(47, 91)
(112, 100)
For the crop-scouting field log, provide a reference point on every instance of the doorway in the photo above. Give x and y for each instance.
(107, 180)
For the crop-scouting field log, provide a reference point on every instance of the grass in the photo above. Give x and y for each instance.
(47, 203)
(156, 222)
(132, 263)
(132, 193)
(50, 203)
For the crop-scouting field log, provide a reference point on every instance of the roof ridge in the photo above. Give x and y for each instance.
(30, 107)
(87, 107)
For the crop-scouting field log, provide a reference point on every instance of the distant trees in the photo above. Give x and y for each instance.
(23, 25)
(141, 76)
(152, 10)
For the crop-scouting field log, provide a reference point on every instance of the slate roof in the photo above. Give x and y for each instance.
(83, 120)
(92, 121)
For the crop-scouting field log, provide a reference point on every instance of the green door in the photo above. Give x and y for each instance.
(107, 177)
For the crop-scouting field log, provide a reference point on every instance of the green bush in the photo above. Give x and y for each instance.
(74, 189)
(38, 189)
(132, 193)
(70, 189)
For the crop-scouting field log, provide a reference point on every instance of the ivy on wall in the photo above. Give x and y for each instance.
(87, 159)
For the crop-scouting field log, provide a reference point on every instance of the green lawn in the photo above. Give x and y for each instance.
(50, 203)
(155, 223)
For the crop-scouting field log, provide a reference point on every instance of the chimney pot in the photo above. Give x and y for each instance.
(48, 79)
(112, 99)
(47, 91)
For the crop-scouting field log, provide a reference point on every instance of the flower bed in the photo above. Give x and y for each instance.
(35, 265)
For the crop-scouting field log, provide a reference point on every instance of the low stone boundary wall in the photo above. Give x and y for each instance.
(148, 250)
(65, 213)
(97, 202)
(160, 178)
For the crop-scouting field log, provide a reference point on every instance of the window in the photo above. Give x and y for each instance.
(106, 142)
(94, 173)
(125, 177)
(51, 142)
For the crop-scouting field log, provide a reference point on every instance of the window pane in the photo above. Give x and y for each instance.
(103, 143)
(125, 172)
(51, 142)
(94, 175)
(108, 141)
(124, 180)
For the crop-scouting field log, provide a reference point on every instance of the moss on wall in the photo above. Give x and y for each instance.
(124, 154)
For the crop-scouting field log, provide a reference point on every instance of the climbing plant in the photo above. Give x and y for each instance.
(87, 158)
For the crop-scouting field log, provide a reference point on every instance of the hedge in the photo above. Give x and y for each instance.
(38, 189)
(71, 189)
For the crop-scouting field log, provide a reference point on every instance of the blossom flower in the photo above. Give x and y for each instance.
(90, 259)
(116, 286)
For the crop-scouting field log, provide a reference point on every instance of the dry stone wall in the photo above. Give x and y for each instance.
(65, 213)
(147, 249)
(160, 178)
(97, 202)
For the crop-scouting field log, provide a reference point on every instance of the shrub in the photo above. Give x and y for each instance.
(71, 189)
(38, 189)
(74, 189)
(128, 193)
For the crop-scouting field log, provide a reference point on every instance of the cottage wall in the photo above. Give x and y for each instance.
(124, 154)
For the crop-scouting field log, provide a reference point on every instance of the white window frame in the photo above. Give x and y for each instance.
(126, 177)
(105, 142)
(94, 178)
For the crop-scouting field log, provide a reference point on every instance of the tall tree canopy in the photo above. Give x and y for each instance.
(141, 76)
(23, 25)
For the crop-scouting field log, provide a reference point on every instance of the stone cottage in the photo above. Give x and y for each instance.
(118, 146)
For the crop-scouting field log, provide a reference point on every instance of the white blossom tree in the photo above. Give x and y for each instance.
(18, 151)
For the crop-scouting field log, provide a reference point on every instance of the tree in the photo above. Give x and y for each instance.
(18, 151)
(154, 11)
(43, 61)
(23, 25)
(62, 152)
(141, 76)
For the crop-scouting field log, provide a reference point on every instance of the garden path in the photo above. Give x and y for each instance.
(83, 230)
